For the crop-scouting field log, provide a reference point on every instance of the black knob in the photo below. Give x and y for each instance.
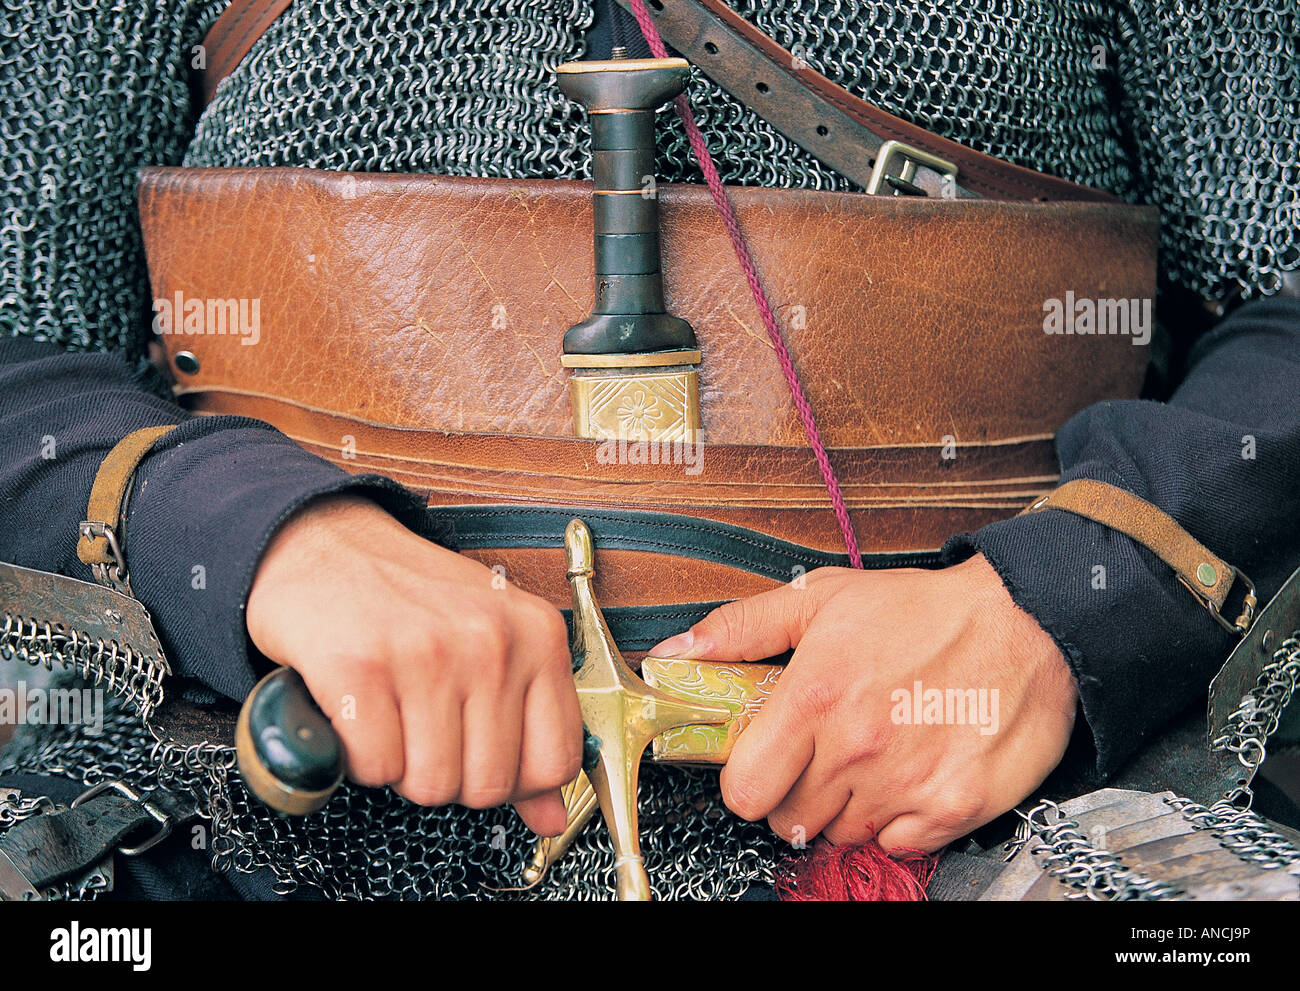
(288, 753)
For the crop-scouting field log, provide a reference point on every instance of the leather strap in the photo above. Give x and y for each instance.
(230, 38)
(100, 542)
(1206, 575)
(842, 130)
(52, 847)
(831, 123)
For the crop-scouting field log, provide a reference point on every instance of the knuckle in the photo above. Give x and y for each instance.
(374, 768)
(731, 620)
(814, 697)
(865, 741)
(488, 644)
(787, 826)
(427, 791)
(364, 660)
(484, 795)
(487, 633)
(553, 636)
(959, 810)
(557, 766)
(849, 833)
(546, 632)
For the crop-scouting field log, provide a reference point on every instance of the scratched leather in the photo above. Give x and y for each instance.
(422, 316)
(920, 317)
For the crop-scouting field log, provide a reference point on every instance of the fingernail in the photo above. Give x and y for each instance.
(678, 646)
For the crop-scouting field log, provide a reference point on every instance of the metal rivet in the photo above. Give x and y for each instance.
(187, 362)
(1206, 575)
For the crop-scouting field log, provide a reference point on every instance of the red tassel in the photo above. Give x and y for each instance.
(831, 873)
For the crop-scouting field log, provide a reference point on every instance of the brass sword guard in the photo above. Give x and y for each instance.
(621, 711)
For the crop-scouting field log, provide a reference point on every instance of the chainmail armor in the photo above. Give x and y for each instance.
(1188, 106)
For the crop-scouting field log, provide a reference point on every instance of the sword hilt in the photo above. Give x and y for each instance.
(621, 97)
(288, 753)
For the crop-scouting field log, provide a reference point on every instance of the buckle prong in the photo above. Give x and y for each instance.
(1249, 603)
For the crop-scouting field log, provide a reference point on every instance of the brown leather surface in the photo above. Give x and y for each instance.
(1148, 525)
(921, 320)
(900, 498)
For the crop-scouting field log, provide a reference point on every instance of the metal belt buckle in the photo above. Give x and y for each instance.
(1249, 603)
(162, 818)
(15, 885)
(115, 575)
(913, 158)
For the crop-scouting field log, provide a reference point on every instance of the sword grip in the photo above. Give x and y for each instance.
(621, 96)
(288, 753)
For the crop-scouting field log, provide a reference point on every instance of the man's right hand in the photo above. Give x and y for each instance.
(442, 679)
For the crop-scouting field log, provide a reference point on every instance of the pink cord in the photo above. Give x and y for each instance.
(705, 160)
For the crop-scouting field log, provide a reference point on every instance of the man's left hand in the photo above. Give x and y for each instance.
(838, 749)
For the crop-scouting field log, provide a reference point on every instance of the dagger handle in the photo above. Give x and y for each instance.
(621, 97)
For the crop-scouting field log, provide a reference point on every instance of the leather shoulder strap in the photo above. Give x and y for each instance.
(231, 37)
(873, 148)
(1206, 575)
(880, 152)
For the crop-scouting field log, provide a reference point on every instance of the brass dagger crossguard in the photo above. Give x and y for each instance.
(621, 711)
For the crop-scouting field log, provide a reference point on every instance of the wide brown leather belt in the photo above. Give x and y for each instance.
(881, 152)
(411, 324)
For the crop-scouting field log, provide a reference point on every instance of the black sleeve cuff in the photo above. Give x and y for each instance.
(206, 504)
(1140, 647)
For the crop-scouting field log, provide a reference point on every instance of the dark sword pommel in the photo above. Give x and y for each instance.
(288, 753)
(621, 97)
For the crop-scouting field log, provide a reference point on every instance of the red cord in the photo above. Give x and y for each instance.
(705, 161)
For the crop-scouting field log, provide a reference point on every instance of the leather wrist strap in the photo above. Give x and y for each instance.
(100, 544)
(882, 153)
(1206, 576)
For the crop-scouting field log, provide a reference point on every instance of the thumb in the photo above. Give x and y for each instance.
(544, 815)
(752, 629)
